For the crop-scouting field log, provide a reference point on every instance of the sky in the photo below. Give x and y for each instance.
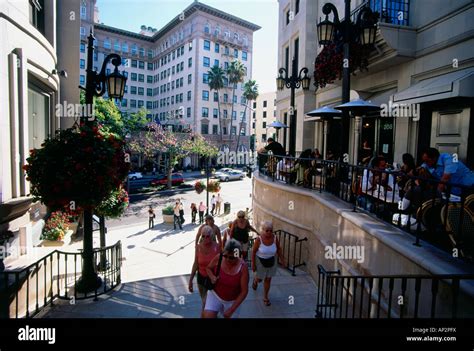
(131, 14)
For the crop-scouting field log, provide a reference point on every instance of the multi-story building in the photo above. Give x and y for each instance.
(167, 69)
(263, 114)
(31, 73)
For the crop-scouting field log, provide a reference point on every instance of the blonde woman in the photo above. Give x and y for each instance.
(240, 231)
(266, 248)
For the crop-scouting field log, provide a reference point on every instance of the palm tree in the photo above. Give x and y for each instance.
(235, 73)
(216, 82)
(250, 93)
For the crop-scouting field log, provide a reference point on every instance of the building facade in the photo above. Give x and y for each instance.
(263, 114)
(30, 79)
(167, 69)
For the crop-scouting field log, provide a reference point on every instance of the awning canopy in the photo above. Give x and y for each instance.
(459, 83)
(379, 98)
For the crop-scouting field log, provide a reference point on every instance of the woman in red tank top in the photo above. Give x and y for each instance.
(205, 252)
(231, 282)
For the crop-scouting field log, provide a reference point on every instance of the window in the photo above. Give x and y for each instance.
(82, 63)
(297, 6)
(38, 117)
(226, 97)
(140, 103)
(141, 78)
(189, 95)
(264, 125)
(149, 79)
(172, 100)
(204, 128)
(150, 54)
(253, 125)
(216, 96)
(226, 114)
(207, 30)
(215, 129)
(190, 62)
(288, 17)
(206, 61)
(149, 105)
(188, 112)
(234, 130)
(287, 57)
(83, 12)
(215, 113)
(216, 47)
(133, 90)
(134, 77)
(134, 63)
(216, 63)
(234, 115)
(141, 64)
(149, 92)
(226, 66)
(264, 114)
(244, 55)
(205, 78)
(172, 70)
(254, 104)
(150, 66)
(107, 44)
(83, 47)
(236, 53)
(124, 47)
(177, 68)
(37, 16)
(205, 112)
(124, 102)
(264, 138)
(234, 99)
(207, 45)
(173, 55)
(117, 45)
(205, 95)
(134, 52)
(172, 84)
(226, 50)
(297, 44)
(181, 66)
(190, 45)
(181, 81)
(82, 79)
(224, 130)
(189, 78)
(126, 89)
(142, 52)
(265, 103)
(133, 103)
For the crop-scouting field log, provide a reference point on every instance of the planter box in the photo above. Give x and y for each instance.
(66, 240)
(168, 219)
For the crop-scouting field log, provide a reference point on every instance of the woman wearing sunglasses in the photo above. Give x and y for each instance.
(206, 250)
(264, 259)
(240, 231)
(231, 281)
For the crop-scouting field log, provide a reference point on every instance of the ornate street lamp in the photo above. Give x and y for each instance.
(295, 81)
(96, 85)
(363, 32)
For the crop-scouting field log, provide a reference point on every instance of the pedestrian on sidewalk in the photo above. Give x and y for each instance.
(202, 208)
(181, 212)
(151, 217)
(218, 203)
(265, 253)
(216, 236)
(231, 281)
(213, 204)
(240, 231)
(203, 255)
(226, 233)
(193, 213)
(177, 216)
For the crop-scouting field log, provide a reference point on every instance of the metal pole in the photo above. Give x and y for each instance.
(293, 124)
(207, 185)
(346, 79)
(89, 280)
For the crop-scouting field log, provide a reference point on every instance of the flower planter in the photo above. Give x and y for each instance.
(168, 219)
(66, 240)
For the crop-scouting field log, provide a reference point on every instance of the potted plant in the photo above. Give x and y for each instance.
(56, 232)
(214, 186)
(168, 214)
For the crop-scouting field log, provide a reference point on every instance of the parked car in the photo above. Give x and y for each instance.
(176, 179)
(135, 175)
(232, 175)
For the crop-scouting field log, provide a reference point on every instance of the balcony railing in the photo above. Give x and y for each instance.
(412, 203)
(390, 11)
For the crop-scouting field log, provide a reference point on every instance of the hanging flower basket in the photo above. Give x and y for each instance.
(82, 166)
(199, 186)
(214, 187)
(115, 205)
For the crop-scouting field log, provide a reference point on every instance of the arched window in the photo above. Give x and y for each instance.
(207, 28)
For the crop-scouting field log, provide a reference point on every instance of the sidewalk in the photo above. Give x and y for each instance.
(291, 297)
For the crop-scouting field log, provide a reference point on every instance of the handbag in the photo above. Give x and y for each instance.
(267, 262)
(207, 281)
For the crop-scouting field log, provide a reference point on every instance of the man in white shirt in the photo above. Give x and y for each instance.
(218, 203)
(213, 203)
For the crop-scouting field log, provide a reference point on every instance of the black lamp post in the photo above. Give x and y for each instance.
(295, 81)
(96, 85)
(208, 173)
(347, 32)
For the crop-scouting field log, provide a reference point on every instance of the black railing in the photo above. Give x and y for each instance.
(394, 296)
(390, 11)
(412, 203)
(25, 292)
(292, 249)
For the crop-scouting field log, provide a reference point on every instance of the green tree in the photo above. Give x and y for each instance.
(250, 93)
(235, 74)
(216, 82)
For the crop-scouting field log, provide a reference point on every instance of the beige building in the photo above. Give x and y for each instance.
(30, 71)
(167, 68)
(263, 114)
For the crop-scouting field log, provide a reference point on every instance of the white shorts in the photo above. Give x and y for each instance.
(216, 304)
